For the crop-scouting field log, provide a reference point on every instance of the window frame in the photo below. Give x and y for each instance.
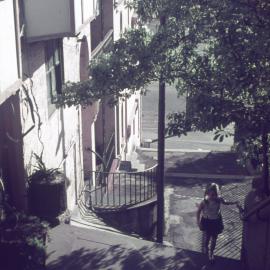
(54, 72)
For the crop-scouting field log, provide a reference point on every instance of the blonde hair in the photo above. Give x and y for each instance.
(213, 187)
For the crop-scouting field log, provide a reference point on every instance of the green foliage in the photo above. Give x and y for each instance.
(138, 57)
(24, 236)
(127, 66)
(217, 51)
(227, 69)
(41, 173)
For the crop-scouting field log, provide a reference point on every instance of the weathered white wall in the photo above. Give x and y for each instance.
(133, 120)
(60, 134)
(128, 116)
(75, 65)
(8, 50)
(126, 19)
(85, 11)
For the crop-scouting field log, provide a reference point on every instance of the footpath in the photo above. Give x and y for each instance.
(186, 177)
(73, 248)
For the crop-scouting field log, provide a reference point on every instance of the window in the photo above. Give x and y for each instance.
(54, 71)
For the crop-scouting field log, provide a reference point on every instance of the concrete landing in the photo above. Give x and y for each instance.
(72, 248)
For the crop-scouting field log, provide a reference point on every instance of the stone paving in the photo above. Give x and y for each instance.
(182, 230)
(183, 194)
(72, 248)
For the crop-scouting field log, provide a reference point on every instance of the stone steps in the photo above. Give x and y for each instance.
(85, 218)
(135, 161)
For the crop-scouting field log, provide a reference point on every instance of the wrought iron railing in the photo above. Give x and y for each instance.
(256, 210)
(110, 152)
(120, 189)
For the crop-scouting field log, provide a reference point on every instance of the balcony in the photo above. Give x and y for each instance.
(56, 18)
(48, 19)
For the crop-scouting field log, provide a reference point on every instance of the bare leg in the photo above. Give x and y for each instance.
(213, 246)
(206, 243)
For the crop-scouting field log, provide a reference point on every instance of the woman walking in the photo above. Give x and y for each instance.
(209, 217)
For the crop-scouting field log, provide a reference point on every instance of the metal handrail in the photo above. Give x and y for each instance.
(103, 43)
(146, 170)
(121, 189)
(256, 209)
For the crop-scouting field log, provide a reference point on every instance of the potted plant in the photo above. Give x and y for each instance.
(47, 192)
(22, 242)
(22, 238)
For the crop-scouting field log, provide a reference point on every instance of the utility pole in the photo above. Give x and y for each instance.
(161, 153)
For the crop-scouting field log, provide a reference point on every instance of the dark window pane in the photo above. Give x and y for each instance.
(54, 67)
(58, 76)
(57, 56)
(54, 84)
(49, 85)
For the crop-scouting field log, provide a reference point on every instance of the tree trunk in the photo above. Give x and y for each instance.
(265, 161)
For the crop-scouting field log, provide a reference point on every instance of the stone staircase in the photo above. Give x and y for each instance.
(85, 218)
(140, 160)
(136, 162)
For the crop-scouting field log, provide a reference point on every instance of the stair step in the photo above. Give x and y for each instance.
(83, 217)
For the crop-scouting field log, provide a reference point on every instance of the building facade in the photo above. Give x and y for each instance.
(128, 111)
(38, 54)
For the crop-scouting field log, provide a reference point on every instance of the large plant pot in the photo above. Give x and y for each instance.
(48, 199)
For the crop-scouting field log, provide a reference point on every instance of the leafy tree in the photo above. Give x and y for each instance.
(218, 51)
(135, 60)
(226, 78)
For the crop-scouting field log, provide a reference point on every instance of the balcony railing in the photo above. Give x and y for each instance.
(256, 210)
(120, 189)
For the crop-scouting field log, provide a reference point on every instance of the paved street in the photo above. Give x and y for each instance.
(181, 205)
(188, 174)
(193, 141)
(184, 193)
